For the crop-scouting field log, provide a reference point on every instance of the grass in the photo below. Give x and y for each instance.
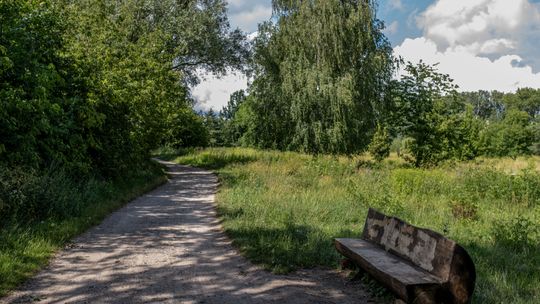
(26, 248)
(282, 210)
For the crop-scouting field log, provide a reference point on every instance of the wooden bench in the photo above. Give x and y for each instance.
(417, 265)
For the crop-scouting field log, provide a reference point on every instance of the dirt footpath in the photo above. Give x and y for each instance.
(168, 247)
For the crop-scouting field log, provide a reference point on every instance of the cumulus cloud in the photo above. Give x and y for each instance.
(214, 92)
(483, 44)
(471, 72)
(491, 28)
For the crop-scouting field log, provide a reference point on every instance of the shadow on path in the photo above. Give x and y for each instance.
(168, 247)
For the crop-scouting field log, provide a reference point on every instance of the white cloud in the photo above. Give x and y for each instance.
(491, 28)
(214, 92)
(482, 44)
(248, 19)
(471, 72)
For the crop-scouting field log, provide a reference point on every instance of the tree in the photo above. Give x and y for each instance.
(188, 130)
(420, 109)
(235, 101)
(535, 130)
(320, 76)
(214, 125)
(486, 105)
(141, 57)
(379, 147)
(96, 85)
(232, 130)
(43, 113)
(510, 137)
(525, 99)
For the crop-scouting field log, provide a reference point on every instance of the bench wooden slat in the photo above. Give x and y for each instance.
(371, 255)
(401, 277)
(417, 264)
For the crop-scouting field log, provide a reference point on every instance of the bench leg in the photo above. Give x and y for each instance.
(347, 264)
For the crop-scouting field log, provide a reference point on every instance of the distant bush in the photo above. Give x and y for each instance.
(380, 144)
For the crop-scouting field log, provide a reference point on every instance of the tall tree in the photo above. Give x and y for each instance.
(426, 109)
(320, 76)
(525, 99)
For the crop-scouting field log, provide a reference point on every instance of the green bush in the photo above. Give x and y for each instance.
(380, 144)
(518, 233)
(511, 136)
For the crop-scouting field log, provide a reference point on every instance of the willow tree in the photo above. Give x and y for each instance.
(328, 65)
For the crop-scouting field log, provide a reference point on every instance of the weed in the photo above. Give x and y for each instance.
(518, 233)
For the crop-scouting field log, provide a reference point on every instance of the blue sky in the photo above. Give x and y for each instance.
(482, 44)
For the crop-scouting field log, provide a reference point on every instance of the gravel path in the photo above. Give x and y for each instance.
(168, 247)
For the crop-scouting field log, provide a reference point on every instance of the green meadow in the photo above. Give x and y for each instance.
(283, 209)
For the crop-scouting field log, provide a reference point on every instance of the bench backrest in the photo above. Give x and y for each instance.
(425, 248)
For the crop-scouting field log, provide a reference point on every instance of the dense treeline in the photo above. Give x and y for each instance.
(324, 81)
(88, 88)
(459, 126)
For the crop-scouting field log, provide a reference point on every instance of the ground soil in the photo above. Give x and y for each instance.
(168, 247)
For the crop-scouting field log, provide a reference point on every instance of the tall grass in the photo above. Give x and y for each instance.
(40, 213)
(282, 210)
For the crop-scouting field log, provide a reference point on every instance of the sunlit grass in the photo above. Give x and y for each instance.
(283, 209)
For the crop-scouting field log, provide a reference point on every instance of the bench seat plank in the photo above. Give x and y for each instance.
(395, 272)
(388, 263)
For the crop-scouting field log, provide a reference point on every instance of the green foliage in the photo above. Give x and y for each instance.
(525, 99)
(519, 233)
(535, 131)
(87, 89)
(511, 136)
(41, 110)
(214, 124)
(379, 147)
(319, 73)
(233, 126)
(93, 86)
(235, 101)
(427, 111)
(187, 130)
(486, 105)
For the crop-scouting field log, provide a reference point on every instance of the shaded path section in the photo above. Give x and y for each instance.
(168, 247)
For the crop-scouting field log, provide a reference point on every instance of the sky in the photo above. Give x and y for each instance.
(481, 44)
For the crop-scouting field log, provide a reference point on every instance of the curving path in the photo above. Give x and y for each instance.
(168, 247)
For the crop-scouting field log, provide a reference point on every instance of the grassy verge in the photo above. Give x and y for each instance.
(283, 209)
(25, 248)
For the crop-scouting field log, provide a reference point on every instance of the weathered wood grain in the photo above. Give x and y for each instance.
(418, 265)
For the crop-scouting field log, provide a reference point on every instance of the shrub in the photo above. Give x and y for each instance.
(518, 233)
(380, 144)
